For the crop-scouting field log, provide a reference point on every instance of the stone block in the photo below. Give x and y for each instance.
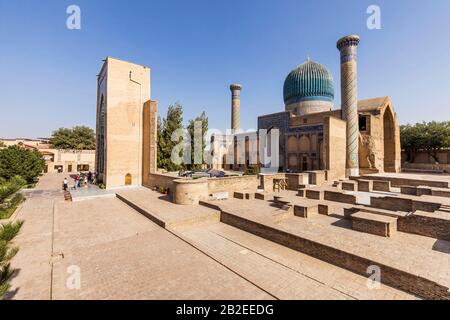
(374, 224)
(243, 195)
(262, 196)
(323, 209)
(348, 185)
(365, 185)
(339, 197)
(410, 190)
(314, 194)
(381, 185)
(392, 203)
(305, 211)
(317, 177)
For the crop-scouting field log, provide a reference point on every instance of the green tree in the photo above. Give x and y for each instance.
(203, 121)
(2, 144)
(19, 161)
(430, 137)
(76, 138)
(7, 233)
(172, 122)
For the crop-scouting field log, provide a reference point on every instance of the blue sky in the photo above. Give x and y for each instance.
(197, 48)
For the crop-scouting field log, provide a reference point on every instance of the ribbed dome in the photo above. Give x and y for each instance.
(309, 81)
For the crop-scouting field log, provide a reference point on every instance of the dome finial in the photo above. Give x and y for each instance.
(308, 58)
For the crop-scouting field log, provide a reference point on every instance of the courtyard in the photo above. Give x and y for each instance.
(139, 245)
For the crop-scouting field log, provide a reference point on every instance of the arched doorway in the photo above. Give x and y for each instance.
(128, 179)
(389, 141)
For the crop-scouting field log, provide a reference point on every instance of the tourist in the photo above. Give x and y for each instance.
(65, 184)
(76, 182)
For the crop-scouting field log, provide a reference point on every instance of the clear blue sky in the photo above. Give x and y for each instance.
(197, 48)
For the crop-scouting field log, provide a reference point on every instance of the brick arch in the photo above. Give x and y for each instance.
(389, 141)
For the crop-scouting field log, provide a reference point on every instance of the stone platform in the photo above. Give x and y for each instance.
(408, 262)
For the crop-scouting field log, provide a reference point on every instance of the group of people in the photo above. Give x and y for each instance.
(82, 179)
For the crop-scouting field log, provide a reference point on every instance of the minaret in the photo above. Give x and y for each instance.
(349, 100)
(235, 106)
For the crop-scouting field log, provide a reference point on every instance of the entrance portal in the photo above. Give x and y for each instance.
(128, 179)
(389, 141)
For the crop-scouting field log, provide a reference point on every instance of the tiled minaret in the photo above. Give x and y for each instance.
(235, 106)
(349, 100)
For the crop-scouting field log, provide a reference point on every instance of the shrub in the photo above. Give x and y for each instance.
(9, 207)
(10, 187)
(7, 252)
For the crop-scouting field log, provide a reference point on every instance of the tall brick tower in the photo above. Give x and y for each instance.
(235, 106)
(349, 100)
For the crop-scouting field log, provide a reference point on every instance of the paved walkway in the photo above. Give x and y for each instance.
(285, 273)
(120, 255)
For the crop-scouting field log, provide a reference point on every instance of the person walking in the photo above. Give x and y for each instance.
(76, 182)
(65, 184)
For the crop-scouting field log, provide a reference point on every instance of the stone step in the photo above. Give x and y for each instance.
(374, 223)
(396, 271)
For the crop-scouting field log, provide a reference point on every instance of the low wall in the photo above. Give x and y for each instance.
(293, 180)
(403, 204)
(190, 191)
(398, 182)
(427, 166)
(424, 225)
(231, 184)
(161, 180)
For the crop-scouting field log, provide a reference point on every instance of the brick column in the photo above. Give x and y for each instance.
(349, 100)
(235, 106)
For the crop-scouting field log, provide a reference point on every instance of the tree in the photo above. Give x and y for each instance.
(7, 233)
(172, 122)
(76, 138)
(430, 137)
(2, 144)
(19, 161)
(203, 121)
(160, 144)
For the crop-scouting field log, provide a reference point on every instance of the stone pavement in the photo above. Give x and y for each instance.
(120, 254)
(285, 273)
(123, 255)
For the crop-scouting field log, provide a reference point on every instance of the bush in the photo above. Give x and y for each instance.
(7, 252)
(251, 171)
(9, 207)
(10, 187)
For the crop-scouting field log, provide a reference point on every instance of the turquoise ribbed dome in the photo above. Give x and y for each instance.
(309, 81)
